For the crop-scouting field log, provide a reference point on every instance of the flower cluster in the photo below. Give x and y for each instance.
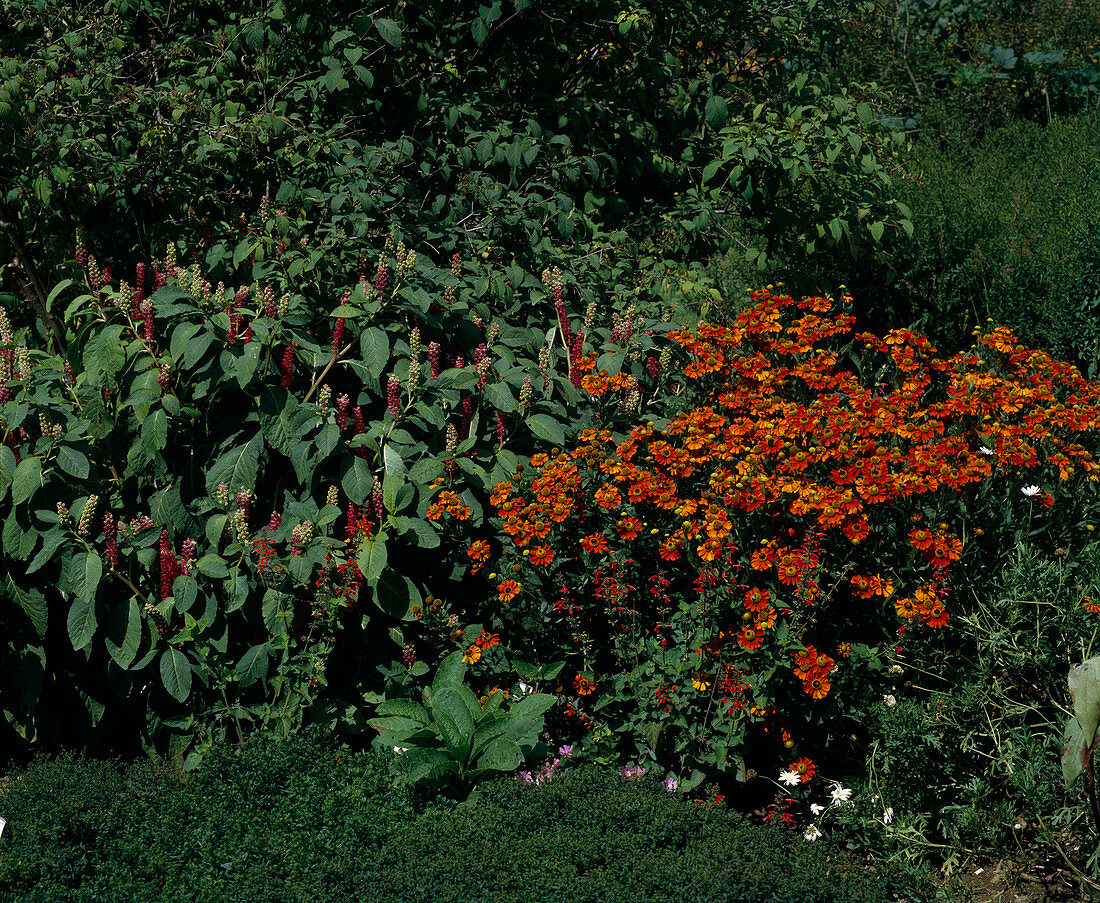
(829, 484)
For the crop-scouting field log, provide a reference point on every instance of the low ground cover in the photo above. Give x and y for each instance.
(306, 819)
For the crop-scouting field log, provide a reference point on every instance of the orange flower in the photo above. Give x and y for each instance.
(594, 543)
(478, 551)
(541, 556)
(804, 768)
(508, 590)
(472, 655)
(756, 599)
(488, 640)
(583, 684)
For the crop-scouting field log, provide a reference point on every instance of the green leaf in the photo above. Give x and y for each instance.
(501, 755)
(716, 111)
(533, 705)
(876, 229)
(452, 716)
(389, 31)
(403, 708)
(7, 469)
(237, 467)
(498, 395)
(175, 674)
(26, 480)
(154, 430)
(73, 462)
(1075, 751)
(546, 428)
(212, 565)
(88, 570)
(31, 601)
(372, 558)
(425, 533)
(357, 481)
(185, 590)
(122, 632)
(81, 622)
(253, 665)
(1084, 688)
(396, 594)
(451, 670)
(375, 346)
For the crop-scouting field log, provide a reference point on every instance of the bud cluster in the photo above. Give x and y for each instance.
(300, 537)
(414, 360)
(86, 515)
(110, 537)
(393, 395)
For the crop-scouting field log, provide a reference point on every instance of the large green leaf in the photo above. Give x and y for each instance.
(375, 345)
(403, 708)
(533, 705)
(31, 601)
(237, 467)
(452, 717)
(254, 664)
(357, 481)
(81, 622)
(1075, 753)
(122, 632)
(451, 670)
(372, 558)
(501, 754)
(546, 428)
(396, 594)
(1084, 687)
(87, 572)
(26, 480)
(73, 462)
(175, 673)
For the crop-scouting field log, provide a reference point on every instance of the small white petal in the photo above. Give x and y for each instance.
(812, 832)
(1030, 491)
(816, 808)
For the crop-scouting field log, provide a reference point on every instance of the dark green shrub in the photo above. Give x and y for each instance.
(1002, 230)
(303, 820)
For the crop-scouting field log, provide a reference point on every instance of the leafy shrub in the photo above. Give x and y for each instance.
(199, 482)
(736, 577)
(1003, 230)
(301, 820)
(430, 116)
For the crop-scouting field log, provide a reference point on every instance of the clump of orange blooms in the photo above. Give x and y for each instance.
(807, 463)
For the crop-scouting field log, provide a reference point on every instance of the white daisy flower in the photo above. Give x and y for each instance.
(890, 700)
(986, 450)
(813, 832)
(816, 808)
(887, 815)
(840, 795)
(790, 778)
(1030, 491)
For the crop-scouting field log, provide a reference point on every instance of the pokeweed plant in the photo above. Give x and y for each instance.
(728, 582)
(456, 739)
(226, 473)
